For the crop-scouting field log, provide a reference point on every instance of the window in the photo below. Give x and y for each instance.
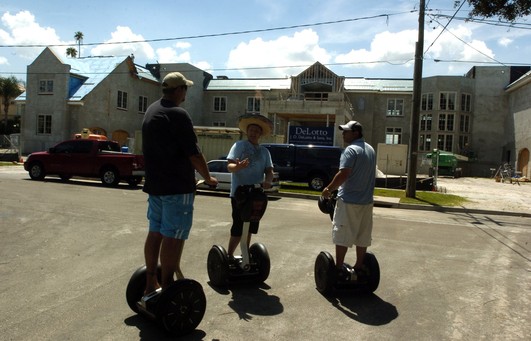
(122, 100)
(220, 104)
(465, 102)
(445, 142)
(44, 124)
(425, 142)
(218, 124)
(395, 107)
(46, 86)
(426, 102)
(464, 123)
(142, 104)
(447, 101)
(253, 104)
(393, 135)
(446, 122)
(463, 145)
(425, 122)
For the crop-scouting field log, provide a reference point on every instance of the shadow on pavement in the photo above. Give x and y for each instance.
(368, 309)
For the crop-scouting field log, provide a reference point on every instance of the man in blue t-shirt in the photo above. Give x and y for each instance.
(248, 163)
(352, 222)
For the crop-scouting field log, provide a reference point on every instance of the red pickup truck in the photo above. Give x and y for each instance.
(87, 158)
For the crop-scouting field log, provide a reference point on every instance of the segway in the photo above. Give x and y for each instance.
(179, 308)
(326, 275)
(254, 263)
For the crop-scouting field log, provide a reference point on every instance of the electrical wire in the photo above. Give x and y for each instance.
(220, 34)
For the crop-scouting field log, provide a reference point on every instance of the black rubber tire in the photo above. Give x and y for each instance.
(218, 266)
(134, 181)
(373, 277)
(136, 286)
(65, 177)
(110, 177)
(36, 171)
(259, 256)
(317, 182)
(325, 273)
(181, 307)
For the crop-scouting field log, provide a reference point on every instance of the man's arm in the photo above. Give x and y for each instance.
(340, 177)
(268, 178)
(199, 163)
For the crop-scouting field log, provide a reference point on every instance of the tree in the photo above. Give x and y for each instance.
(9, 89)
(505, 9)
(71, 52)
(78, 36)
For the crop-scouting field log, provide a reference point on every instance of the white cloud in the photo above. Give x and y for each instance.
(300, 49)
(394, 48)
(141, 50)
(505, 41)
(172, 55)
(3, 61)
(21, 29)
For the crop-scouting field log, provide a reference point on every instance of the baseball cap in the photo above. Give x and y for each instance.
(175, 80)
(352, 125)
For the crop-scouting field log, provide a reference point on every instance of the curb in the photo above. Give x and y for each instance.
(392, 204)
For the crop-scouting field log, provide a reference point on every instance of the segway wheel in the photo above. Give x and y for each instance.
(260, 257)
(136, 286)
(373, 276)
(325, 272)
(218, 266)
(181, 307)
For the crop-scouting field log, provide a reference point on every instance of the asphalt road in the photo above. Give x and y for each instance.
(68, 250)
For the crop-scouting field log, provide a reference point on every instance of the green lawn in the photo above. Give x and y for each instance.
(422, 197)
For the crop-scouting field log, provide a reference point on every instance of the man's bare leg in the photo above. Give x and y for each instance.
(170, 256)
(360, 255)
(151, 255)
(341, 252)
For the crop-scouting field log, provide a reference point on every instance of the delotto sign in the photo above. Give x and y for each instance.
(323, 136)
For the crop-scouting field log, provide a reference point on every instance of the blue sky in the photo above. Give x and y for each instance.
(374, 39)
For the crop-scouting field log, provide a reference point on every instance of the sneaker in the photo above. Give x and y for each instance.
(148, 299)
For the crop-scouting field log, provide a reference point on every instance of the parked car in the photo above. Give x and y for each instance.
(218, 169)
(87, 158)
(315, 165)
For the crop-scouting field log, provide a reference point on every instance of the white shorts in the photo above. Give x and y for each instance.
(352, 224)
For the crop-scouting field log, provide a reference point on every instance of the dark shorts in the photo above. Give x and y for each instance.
(237, 223)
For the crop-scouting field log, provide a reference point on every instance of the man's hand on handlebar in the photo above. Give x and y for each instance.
(212, 182)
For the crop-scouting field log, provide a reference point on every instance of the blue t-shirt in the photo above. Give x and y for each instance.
(259, 160)
(359, 187)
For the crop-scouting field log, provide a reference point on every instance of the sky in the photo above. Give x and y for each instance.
(264, 38)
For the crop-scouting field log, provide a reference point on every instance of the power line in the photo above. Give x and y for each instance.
(221, 34)
(444, 28)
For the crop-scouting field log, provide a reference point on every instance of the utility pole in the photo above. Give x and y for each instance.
(411, 184)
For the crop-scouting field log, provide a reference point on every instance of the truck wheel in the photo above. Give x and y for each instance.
(317, 182)
(134, 181)
(65, 177)
(110, 177)
(36, 171)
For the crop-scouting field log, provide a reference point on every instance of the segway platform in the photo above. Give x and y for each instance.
(179, 308)
(254, 263)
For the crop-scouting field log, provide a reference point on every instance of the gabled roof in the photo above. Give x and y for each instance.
(86, 73)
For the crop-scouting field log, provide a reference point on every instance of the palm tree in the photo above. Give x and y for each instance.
(9, 89)
(71, 52)
(78, 36)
